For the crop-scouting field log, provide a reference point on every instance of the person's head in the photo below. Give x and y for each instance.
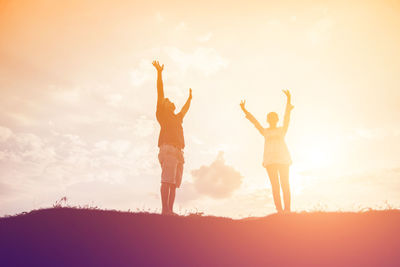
(169, 105)
(272, 118)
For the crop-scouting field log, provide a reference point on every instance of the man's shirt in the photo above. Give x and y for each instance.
(171, 132)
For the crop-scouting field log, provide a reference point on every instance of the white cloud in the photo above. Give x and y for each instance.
(205, 37)
(70, 95)
(102, 145)
(142, 74)
(5, 133)
(34, 164)
(217, 180)
(114, 100)
(320, 32)
(22, 119)
(196, 140)
(120, 146)
(181, 26)
(203, 59)
(370, 133)
(144, 127)
(159, 17)
(274, 22)
(25, 148)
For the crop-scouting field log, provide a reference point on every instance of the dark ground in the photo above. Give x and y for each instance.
(82, 237)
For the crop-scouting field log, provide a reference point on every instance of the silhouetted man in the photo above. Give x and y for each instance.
(171, 143)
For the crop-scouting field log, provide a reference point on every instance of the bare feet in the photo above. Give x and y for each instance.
(169, 213)
(165, 212)
(284, 212)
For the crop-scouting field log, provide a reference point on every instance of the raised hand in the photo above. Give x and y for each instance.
(287, 93)
(159, 68)
(288, 96)
(190, 93)
(242, 105)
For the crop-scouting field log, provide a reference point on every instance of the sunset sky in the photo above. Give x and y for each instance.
(78, 98)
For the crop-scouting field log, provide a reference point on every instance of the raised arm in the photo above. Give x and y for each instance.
(186, 107)
(251, 118)
(160, 86)
(289, 107)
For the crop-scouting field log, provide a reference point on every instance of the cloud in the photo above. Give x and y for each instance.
(6, 189)
(142, 73)
(5, 133)
(70, 95)
(181, 26)
(320, 32)
(370, 133)
(217, 180)
(54, 162)
(159, 17)
(21, 119)
(205, 37)
(114, 100)
(203, 59)
(144, 127)
(274, 22)
(61, 159)
(19, 148)
(120, 147)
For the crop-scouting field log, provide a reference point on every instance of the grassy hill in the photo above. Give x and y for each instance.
(84, 237)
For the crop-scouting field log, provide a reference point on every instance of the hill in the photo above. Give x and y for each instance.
(82, 237)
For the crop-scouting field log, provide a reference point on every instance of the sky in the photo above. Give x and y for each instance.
(78, 99)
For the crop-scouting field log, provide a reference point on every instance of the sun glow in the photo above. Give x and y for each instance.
(320, 156)
(323, 152)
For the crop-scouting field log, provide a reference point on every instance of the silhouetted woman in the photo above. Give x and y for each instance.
(276, 154)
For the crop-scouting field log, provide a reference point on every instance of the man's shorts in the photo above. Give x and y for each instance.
(171, 160)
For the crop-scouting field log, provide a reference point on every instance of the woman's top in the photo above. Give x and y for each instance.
(275, 149)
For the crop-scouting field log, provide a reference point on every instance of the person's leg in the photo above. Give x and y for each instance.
(168, 167)
(171, 198)
(284, 178)
(173, 187)
(164, 197)
(272, 171)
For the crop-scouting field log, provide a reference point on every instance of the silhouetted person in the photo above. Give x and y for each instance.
(276, 154)
(171, 143)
